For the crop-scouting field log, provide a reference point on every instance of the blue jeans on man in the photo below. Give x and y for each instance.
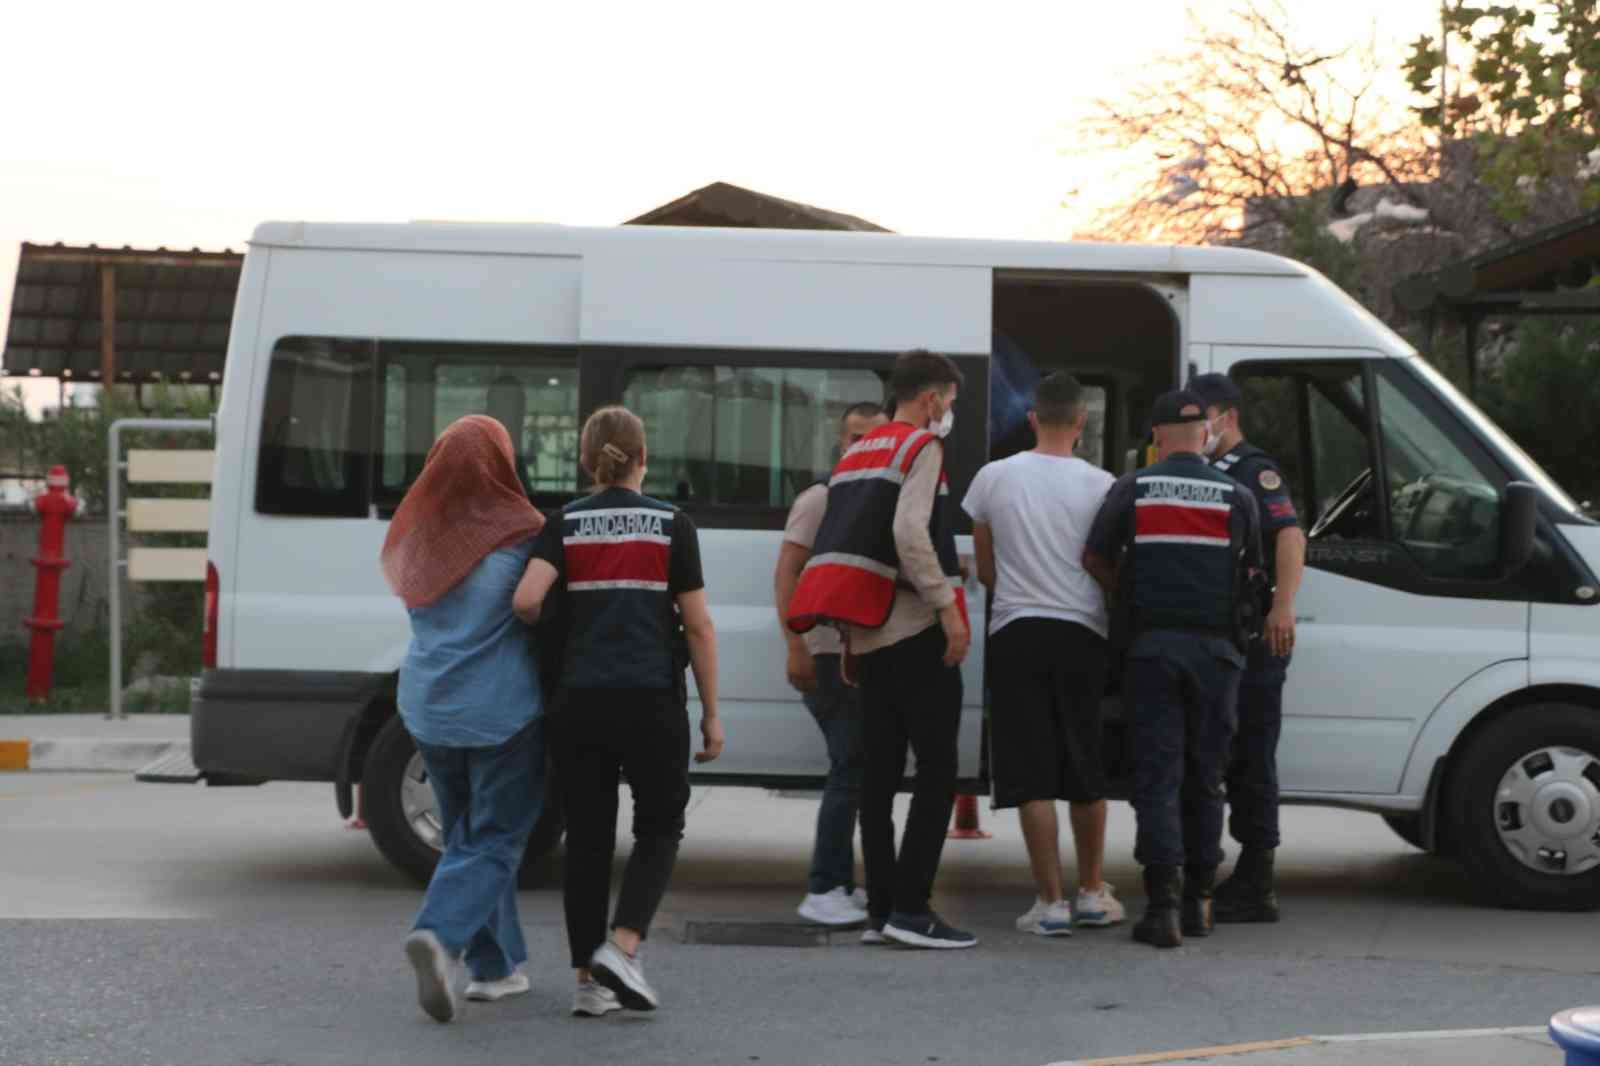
(833, 705)
(489, 801)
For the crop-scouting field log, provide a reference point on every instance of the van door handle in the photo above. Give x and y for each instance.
(1304, 618)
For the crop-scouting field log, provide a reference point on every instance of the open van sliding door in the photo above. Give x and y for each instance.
(1124, 340)
(1402, 599)
(741, 369)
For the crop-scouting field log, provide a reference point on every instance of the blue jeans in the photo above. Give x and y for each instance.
(489, 801)
(833, 705)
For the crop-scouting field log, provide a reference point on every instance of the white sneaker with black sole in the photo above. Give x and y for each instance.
(621, 973)
(594, 1000)
(1047, 919)
(436, 993)
(926, 931)
(833, 908)
(514, 983)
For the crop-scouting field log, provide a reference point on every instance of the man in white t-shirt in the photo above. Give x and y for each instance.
(813, 669)
(1047, 652)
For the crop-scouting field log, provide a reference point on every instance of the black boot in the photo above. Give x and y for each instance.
(1163, 889)
(1248, 895)
(1198, 882)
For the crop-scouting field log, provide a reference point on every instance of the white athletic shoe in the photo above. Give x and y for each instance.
(1047, 919)
(594, 1001)
(872, 936)
(1099, 908)
(859, 898)
(436, 992)
(514, 983)
(834, 907)
(621, 973)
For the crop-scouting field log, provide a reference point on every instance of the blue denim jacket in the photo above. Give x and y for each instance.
(469, 679)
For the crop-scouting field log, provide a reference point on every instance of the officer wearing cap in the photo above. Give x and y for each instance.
(1248, 895)
(1174, 543)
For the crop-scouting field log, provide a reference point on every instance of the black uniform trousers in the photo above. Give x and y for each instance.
(1182, 688)
(908, 697)
(1253, 769)
(596, 736)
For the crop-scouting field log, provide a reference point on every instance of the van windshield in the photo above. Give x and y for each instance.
(1523, 465)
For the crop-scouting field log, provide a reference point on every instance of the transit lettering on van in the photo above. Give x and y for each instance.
(1446, 674)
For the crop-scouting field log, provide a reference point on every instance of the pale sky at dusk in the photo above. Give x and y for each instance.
(184, 124)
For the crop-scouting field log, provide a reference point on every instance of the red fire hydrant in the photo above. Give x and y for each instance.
(54, 507)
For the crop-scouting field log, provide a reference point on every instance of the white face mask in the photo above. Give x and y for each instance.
(942, 428)
(1213, 440)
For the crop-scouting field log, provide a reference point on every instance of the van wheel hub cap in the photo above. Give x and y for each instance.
(419, 806)
(1547, 811)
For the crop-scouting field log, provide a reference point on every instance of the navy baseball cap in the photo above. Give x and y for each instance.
(1176, 407)
(1217, 390)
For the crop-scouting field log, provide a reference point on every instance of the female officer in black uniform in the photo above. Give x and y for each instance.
(628, 568)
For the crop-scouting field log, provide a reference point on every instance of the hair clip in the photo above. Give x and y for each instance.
(615, 452)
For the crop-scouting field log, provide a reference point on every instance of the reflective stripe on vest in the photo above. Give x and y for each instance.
(852, 577)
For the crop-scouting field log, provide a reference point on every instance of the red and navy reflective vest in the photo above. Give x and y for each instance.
(622, 625)
(854, 566)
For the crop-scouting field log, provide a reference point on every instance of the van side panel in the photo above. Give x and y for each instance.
(1306, 312)
(306, 585)
(230, 498)
(808, 306)
(421, 296)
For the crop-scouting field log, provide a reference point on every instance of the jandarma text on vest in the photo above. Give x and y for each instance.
(627, 522)
(1186, 489)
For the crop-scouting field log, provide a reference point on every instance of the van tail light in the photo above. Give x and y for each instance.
(208, 641)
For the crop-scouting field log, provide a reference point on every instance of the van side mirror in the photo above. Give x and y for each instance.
(1519, 519)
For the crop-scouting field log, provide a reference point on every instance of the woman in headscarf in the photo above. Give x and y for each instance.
(627, 570)
(469, 695)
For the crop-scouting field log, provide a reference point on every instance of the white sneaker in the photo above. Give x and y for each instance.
(436, 992)
(834, 907)
(859, 898)
(1100, 908)
(621, 973)
(1047, 919)
(594, 1001)
(514, 983)
(872, 936)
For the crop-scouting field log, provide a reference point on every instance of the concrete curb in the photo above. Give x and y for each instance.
(86, 754)
(1384, 1048)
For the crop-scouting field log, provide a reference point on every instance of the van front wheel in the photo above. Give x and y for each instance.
(1525, 799)
(403, 817)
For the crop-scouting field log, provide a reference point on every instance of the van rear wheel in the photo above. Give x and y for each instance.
(403, 817)
(1525, 800)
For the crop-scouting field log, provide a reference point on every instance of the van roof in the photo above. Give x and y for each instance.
(539, 239)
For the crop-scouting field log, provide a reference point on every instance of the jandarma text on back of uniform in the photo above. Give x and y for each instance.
(631, 523)
(1158, 488)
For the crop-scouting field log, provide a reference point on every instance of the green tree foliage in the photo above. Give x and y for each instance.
(1528, 92)
(1544, 393)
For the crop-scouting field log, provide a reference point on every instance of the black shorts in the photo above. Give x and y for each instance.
(1046, 680)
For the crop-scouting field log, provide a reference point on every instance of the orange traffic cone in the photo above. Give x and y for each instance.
(966, 821)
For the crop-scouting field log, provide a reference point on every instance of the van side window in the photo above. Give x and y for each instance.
(751, 436)
(532, 392)
(1368, 462)
(315, 428)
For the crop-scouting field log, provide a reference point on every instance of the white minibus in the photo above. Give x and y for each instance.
(1447, 671)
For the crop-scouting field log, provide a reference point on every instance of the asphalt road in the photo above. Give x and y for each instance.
(179, 925)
